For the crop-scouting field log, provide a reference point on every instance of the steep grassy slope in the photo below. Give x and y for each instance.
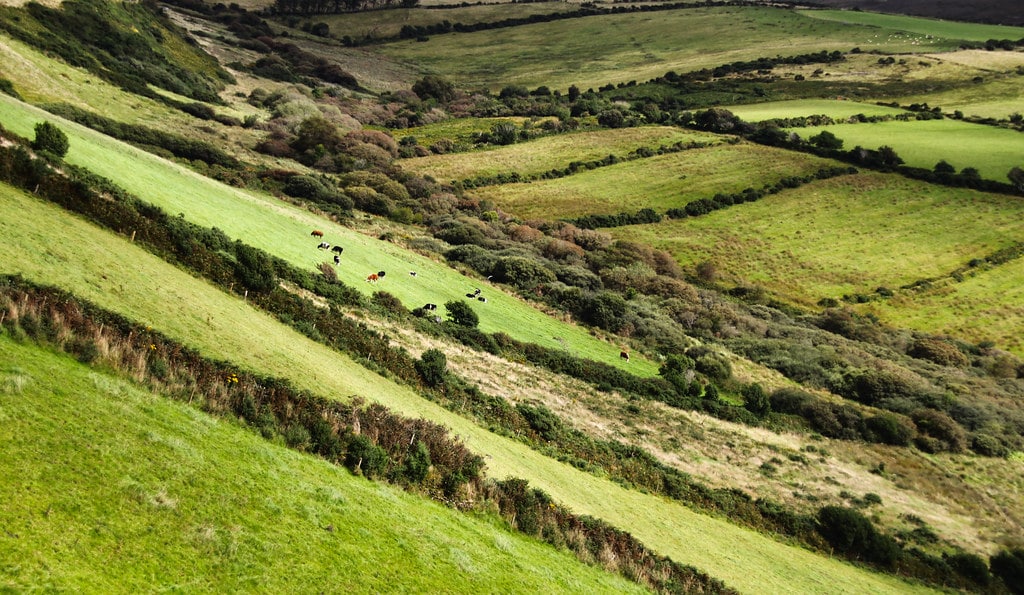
(832, 108)
(111, 272)
(109, 487)
(920, 26)
(283, 230)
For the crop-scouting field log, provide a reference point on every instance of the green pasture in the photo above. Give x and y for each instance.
(379, 24)
(991, 150)
(595, 51)
(999, 93)
(918, 25)
(551, 152)
(661, 182)
(111, 488)
(284, 230)
(833, 108)
(985, 306)
(854, 234)
(112, 272)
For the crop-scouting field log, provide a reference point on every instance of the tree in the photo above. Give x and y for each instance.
(51, 139)
(504, 133)
(461, 314)
(826, 140)
(944, 167)
(1016, 176)
(434, 87)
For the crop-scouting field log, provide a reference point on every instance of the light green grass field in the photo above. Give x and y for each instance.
(284, 230)
(460, 130)
(594, 51)
(550, 152)
(661, 182)
(854, 234)
(992, 151)
(919, 25)
(832, 108)
(110, 488)
(117, 275)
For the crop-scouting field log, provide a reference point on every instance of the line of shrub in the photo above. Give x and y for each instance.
(255, 270)
(369, 440)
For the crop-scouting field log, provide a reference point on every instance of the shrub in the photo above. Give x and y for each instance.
(363, 456)
(947, 434)
(970, 566)
(432, 366)
(989, 446)
(853, 534)
(417, 464)
(938, 351)
(522, 272)
(1008, 565)
(254, 268)
(461, 314)
(50, 139)
(542, 420)
(755, 399)
(889, 428)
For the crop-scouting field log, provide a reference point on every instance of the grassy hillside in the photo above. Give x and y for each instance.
(920, 26)
(832, 108)
(283, 230)
(594, 51)
(110, 487)
(661, 182)
(111, 272)
(852, 235)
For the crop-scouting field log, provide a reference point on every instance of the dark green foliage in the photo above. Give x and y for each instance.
(434, 87)
(363, 456)
(989, 446)
(938, 431)
(890, 428)
(254, 268)
(853, 534)
(50, 139)
(713, 365)
(1008, 565)
(604, 309)
(524, 273)
(970, 566)
(541, 419)
(756, 400)
(432, 366)
(462, 314)
(826, 140)
(417, 464)
(938, 351)
(7, 88)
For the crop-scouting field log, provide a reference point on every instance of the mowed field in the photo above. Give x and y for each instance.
(109, 487)
(595, 51)
(991, 150)
(999, 94)
(833, 108)
(854, 234)
(284, 230)
(661, 182)
(546, 153)
(118, 275)
(919, 25)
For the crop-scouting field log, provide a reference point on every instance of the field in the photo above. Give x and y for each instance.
(283, 230)
(854, 234)
(919, 26)
(594, 51)
(551, 152)
(660, 182)
(108, 487)
(111, 272)
(833, 108)
(992, 151)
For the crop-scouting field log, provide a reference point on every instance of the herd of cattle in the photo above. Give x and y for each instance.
(375, 277)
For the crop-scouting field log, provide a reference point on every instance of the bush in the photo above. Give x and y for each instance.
(254, 268)
(853, 534)
(889, 428)
(542, 420)
(366, 457)
(522, 272)
(970, 566)
(50, 139)
(1008, 565)
(432, 366)
(755, 400)
(945, 433)
(938, 351)
(461, 314)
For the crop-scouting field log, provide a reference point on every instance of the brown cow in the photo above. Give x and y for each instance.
(317, 233)
(372, 278)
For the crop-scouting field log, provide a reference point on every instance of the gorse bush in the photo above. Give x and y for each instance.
(51, 139)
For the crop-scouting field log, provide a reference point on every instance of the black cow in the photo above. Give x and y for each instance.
(324, 246)
(471, 295)
(380, 273)
(481, 298)
(413, 273)
(336, 259)
(430, 307)
(337, 249)
(476, 291)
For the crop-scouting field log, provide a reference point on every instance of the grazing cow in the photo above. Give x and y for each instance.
(337, 249)
(471, 295)
(337, 260)
(481, 298)
(624, 355)
(372, 278)
(317, 233)
(380, 274)
(430, 307)
(323, 246)
(476, 291)
(413, 273)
